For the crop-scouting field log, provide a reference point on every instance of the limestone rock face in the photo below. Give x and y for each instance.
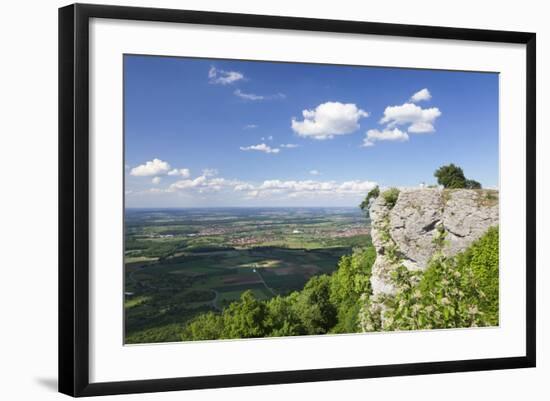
(404, 234)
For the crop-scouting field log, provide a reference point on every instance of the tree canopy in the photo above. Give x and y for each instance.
(452, 177)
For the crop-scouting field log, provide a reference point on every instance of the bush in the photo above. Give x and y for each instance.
(390, 197)
(373, 194)
(452, 292)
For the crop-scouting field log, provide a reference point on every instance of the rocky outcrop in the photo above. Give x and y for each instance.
(423, 222)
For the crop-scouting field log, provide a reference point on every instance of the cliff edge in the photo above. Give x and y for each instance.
(409, 230)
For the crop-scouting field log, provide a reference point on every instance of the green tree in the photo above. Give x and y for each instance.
(450, 176)
(472, 184)
(282, 319)
(314, 307)
(348, 284)
(352, 279)
(208, 326)
(373, 194)
(245, 318)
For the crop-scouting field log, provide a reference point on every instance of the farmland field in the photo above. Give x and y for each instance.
(182, 262)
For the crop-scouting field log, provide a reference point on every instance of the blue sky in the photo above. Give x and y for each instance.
(207, 132)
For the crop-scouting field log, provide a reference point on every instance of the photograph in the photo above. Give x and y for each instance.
(275, 199)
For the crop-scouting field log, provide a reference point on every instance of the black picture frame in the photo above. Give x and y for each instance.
(74, 198)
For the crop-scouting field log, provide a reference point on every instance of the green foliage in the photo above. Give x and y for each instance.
(390, 197)
(314, 307)
(352, 279)
(453, 292)
(472, 184)
(159, 334)
(452, 177)
(208, 326)
(348, 284)
(479, 268)
(373, 194)
(246, 318)
(282, 318)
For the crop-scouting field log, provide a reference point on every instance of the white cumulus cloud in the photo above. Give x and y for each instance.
(156, 180)
(419, 120)
(262, 147)
(205, 183)
(222, 77)
(314, 172)
(151, 168)
(421, 95)
(289, 145)
(182, 172)
(185, 184)
(374, 135)
(328, 120)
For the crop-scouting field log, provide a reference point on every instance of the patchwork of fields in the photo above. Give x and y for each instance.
(179, 263)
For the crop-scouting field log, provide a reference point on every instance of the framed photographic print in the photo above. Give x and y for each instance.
(249, 199)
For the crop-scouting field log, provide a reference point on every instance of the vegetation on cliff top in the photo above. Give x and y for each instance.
(452, 176)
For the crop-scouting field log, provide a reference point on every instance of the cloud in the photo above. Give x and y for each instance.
(328, 120)
(310, 188)
(374, 135)
(274, 189)
(243, 187)
(289, 145)
(269, 138)
(247, 96)
(418, 119)
(250, 126)
(151, 168)
(221, 77)
(183, 172)
(421, 95)
(254, 97)
(204, 183)
(185, 184)
(209, 172)
(262, 147)
(156, 180)
(314, 172)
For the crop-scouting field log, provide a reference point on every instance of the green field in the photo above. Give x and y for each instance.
(180, 263)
